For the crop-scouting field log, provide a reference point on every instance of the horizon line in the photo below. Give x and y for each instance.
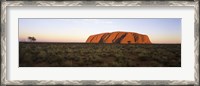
(91, 43)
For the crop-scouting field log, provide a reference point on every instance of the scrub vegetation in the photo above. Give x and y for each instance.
(37, 54)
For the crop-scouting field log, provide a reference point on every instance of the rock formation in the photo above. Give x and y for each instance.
(119, 37)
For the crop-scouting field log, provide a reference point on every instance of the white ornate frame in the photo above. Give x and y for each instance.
(4, 4)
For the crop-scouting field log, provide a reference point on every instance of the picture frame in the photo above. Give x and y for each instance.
(4, 38)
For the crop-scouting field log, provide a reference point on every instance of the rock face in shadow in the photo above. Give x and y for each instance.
(120, 38)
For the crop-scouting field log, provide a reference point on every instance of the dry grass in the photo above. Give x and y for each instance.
(98, 55)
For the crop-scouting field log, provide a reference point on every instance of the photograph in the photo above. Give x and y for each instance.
(99, 42)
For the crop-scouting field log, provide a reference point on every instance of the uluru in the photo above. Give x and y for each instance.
(119, 37)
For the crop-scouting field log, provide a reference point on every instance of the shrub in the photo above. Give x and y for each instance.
(144, 55)
(155, 64)
(42, 55)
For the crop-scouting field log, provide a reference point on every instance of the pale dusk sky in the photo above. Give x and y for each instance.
(159, 30)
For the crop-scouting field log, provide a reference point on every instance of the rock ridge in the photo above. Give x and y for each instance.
(119, 37)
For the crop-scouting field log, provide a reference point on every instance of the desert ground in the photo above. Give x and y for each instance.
(38, 54)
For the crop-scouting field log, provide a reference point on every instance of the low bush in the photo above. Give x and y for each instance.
(99, 55)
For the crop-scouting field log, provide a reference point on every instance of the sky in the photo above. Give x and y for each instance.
(159, 30)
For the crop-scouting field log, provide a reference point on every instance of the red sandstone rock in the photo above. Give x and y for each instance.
(119, 37)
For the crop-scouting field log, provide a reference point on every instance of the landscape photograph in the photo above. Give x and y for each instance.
(99, 42)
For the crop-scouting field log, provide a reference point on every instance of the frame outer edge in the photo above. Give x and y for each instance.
(3, 43)
(196, 15)
(96, 3)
